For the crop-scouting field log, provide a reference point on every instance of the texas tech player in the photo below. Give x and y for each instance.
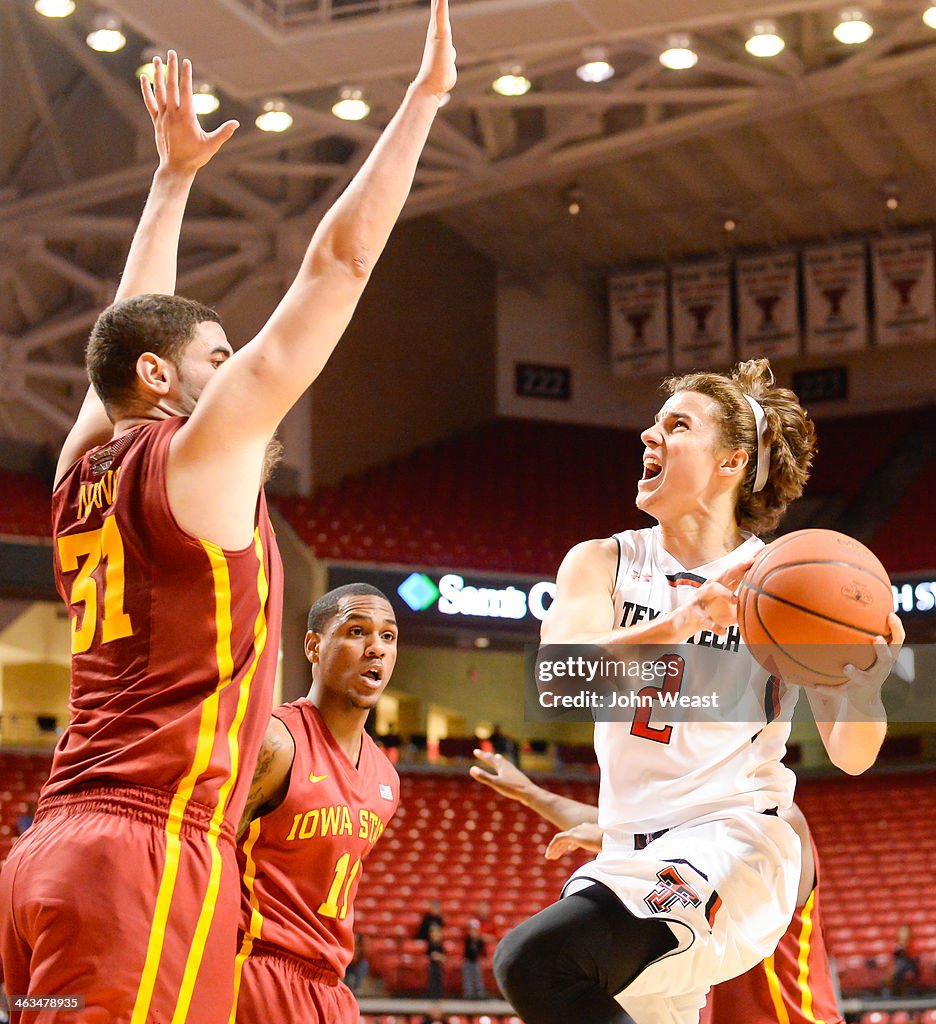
(697, 877)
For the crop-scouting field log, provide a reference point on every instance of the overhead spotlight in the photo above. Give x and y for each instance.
(106, 35)
(351, 105)
(146, 70)
(679, 55)
(596, 67)
(512, 81)
(54, 8)
(275, 117)
(853, 28)
(204, 99)
(574, 199)
(764, 41)
(482, 642)
(892, 203)
(929, 16)
(730, 225)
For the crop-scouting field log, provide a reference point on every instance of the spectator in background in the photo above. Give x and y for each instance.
(25, 820)
(472, 982)
(483, 916)
(434, 1016)
(906, 962)
(358, 969)
(435, 951)
(432, 916)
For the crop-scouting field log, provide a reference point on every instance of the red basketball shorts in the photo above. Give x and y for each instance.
(102, 899)
(276, 985)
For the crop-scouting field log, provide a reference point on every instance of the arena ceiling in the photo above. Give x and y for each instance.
(805, 146)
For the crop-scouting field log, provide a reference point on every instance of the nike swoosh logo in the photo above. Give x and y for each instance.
(316, 778)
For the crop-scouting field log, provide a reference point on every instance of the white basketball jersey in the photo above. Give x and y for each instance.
(657, 772)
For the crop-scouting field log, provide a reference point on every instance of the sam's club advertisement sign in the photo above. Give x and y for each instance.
(453, 600)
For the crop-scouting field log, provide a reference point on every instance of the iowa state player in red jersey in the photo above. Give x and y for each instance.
(792, 986)
(322, 796)
(126, 889)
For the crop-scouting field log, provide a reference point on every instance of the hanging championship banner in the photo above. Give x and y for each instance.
(639, 323)
(768, 317)
(836, 298)
(903, 289)
(702, 315)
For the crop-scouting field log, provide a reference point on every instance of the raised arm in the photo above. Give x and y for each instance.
(271, 775)
(583, 610)
(213, 487)
(183, 147)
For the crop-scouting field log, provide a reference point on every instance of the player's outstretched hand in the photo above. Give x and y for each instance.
(504, 776)
(437, 72)
(863, 686)
(183, 145)
(586, 836)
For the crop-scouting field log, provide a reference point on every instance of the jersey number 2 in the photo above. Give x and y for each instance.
(96, 546)
(343, 880)
(675, 666)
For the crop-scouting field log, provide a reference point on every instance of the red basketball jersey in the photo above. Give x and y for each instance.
(301, 863)
(174, 640)
(794, 986)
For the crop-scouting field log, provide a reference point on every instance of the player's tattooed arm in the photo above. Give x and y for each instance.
(271, 775)
(506, 778)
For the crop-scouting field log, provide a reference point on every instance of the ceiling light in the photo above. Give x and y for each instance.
(892, 202)
(106, 36)
(204, 99)
(730, 225)
(146, 70)
(275, 117)
(929, 16)
(574, 199)
(852, 28)
(351, 106)
(482, 642)
(764, 41)
(512, 82)
(679, 55)
(55, 8)
(596, 67)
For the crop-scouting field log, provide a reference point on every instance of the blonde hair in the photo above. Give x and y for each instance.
(790, 436)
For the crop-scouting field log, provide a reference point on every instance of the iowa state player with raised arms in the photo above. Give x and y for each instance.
(126, 889)
(697, 876)
(322, 795)
(791, 986)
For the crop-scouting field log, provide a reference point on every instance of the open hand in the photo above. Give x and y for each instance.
(437, 72)
(586, 836)
(504, 777)
(183, 145)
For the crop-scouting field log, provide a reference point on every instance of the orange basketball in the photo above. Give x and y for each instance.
(813, 602)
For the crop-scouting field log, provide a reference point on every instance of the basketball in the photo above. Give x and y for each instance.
(813, 602)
